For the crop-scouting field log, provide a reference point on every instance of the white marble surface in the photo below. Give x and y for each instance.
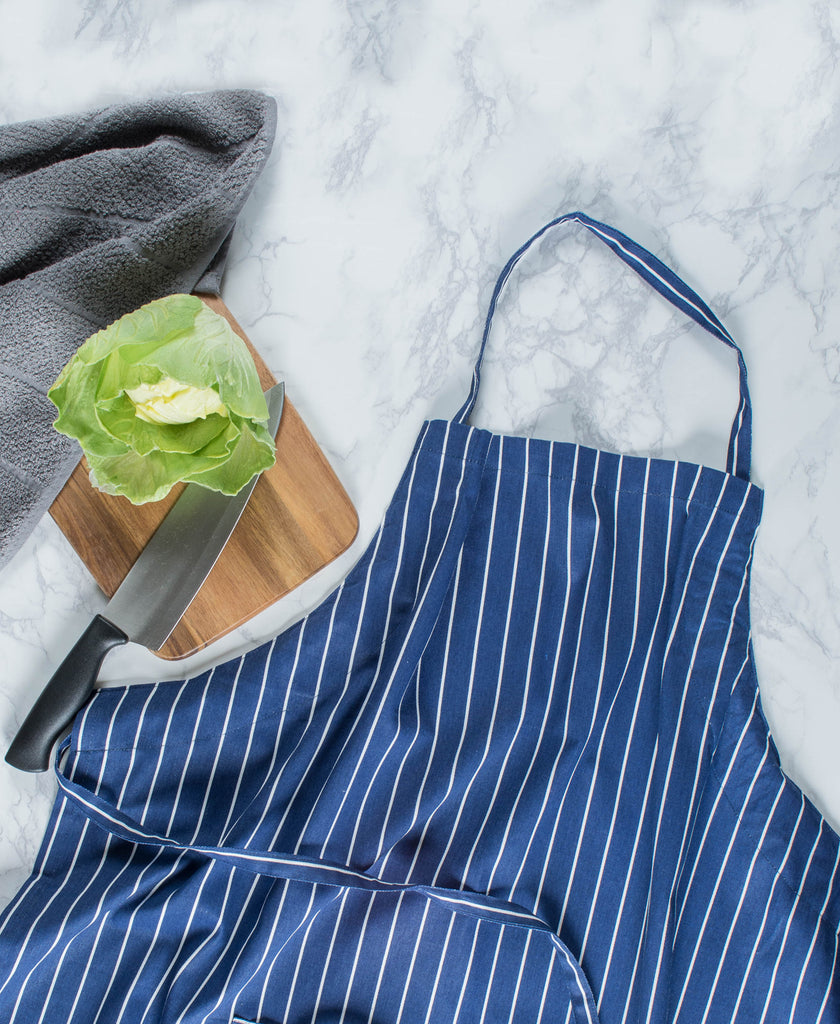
(419, 143)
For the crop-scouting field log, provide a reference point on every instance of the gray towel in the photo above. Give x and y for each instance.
(100, 213)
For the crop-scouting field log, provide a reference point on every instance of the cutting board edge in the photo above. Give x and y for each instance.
(251, 615)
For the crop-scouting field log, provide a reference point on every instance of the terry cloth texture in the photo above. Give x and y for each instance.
(99, 214)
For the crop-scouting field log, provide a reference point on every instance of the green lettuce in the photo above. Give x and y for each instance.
(166, 393)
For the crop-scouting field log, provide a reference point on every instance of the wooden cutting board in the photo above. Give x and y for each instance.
(298, 519)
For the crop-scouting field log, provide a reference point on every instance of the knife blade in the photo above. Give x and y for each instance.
(146, 606)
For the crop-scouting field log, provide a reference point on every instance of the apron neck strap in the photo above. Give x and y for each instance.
(671, 287)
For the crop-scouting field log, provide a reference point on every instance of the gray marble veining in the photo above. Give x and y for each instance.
(419, 144)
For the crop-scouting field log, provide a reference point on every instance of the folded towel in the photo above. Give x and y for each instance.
(100, 213)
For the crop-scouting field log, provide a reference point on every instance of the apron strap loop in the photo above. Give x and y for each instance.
(672, 288)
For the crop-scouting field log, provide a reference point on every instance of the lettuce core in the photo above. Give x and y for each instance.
(170, 401)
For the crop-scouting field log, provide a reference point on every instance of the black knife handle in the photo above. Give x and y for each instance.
(64, 695)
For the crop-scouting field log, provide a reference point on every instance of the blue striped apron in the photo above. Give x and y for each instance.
(514, 769)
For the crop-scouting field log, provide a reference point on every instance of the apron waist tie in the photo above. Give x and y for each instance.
(298, 868)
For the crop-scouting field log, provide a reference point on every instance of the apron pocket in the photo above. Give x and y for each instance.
(381, 958)
(343, 945)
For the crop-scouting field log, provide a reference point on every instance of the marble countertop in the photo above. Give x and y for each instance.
(419, 143)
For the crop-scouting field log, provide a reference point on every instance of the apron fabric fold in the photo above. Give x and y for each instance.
(514, 768)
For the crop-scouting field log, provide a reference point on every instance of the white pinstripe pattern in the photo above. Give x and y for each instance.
(710, 905)
(55, 944)
(696, 783)
(739, 908)
(643, 674)
(567, 716)
(814, 937)
(413, 963)
(380, 976)
(829, 980)
(629, 877)
(469, 703)
(482, 1019)
(456, 1016)
(526, 685)
(50, 841)
(786, 935)
(441, 959)
(596, 703)
(759, 936)
(600, 744)
(232, 973)
(270, 945)
(511, 590)
(538, 745)
(513, 768)
(98, 915)
(681, 719)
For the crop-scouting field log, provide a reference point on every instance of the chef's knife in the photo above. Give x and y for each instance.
(145, 608)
